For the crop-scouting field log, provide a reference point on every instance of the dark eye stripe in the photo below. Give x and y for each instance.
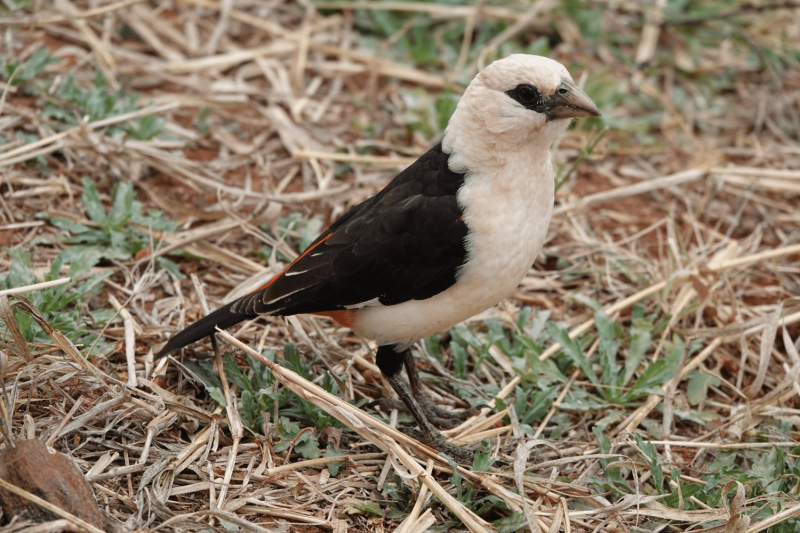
(529, 96)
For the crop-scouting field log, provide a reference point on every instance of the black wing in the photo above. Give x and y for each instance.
(405, 243)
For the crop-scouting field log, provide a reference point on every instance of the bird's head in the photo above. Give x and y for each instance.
(521, 101)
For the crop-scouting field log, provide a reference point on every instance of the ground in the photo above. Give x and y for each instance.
(168, 156)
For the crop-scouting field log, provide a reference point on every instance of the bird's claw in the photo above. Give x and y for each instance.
(441, 418)
(460, 455)
(439, 442)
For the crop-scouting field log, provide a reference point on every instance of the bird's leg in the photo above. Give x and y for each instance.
(390, 363)
(441, 418)
(444, 418)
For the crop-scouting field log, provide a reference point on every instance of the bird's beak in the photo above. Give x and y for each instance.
(569, 101)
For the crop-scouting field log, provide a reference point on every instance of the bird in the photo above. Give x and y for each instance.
(449, 237)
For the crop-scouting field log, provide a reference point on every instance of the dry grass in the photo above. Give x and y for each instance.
(681, 220)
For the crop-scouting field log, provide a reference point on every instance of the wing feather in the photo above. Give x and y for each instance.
(406, 243)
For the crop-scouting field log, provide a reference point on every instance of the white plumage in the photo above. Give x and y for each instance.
(507, 198)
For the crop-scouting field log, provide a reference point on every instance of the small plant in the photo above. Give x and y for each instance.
(488, 507)
(397, 497)
(616, 385)
(20, 73)
(63, 306)
(260, 394)
(119, 232)
(72, 104)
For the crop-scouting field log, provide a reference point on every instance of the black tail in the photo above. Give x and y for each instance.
(222, 318)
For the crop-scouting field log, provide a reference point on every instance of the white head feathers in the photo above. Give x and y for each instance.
(521, 102)
(542, 72)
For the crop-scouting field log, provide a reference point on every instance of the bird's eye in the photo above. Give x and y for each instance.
(563, 91)
(526, 95)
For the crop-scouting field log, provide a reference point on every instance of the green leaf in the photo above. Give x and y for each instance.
(262, 377)
(309, 449)
(573, 350)
(697, 388)
(464, 336)
(483, 459)
(97, 104)
(459, 360)
(69, 225)
(539, 47)
(768, 466)
(170, 266)
(35, 64)
(122, 206)
(208, 378)
(81, 262)
(445, 107)
(580, 400)
(333, 468)
(650, 452)
(539, 323)
(607, 348)
(534, 404)
(658, 373)
(93, 283)
(603, 442)
(8, 68)
(289, 429)
(500, 404)
(512, 523)
(589, 302)
(611, 417)
(370, 507)
(455, 479)
(55, 268)
(641, 340)
(235, 374)
(687, 491)
(291, 357)
(249, 409)
(91, 201)
(432, 347)
(154, 218)
(217, 395)
(146, 128)
(612, 473)
(100, 81)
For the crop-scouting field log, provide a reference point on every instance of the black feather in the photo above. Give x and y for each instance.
(221, 318)
(405, 243)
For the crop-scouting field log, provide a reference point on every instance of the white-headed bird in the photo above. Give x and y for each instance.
(447, 238)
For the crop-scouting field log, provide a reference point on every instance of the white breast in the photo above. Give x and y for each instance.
(507, 214)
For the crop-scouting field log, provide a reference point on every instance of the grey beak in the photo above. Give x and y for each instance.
(569, 101)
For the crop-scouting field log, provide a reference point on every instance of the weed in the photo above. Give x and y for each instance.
(64, 306)
(21, 73)
(260, 395)
(614, 384)
(73, 103)
(120, 232)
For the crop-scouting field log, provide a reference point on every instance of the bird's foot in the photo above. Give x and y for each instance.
(460, 455)
(441, 418)
(439, 442)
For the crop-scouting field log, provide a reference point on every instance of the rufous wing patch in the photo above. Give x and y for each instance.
(345, 317)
